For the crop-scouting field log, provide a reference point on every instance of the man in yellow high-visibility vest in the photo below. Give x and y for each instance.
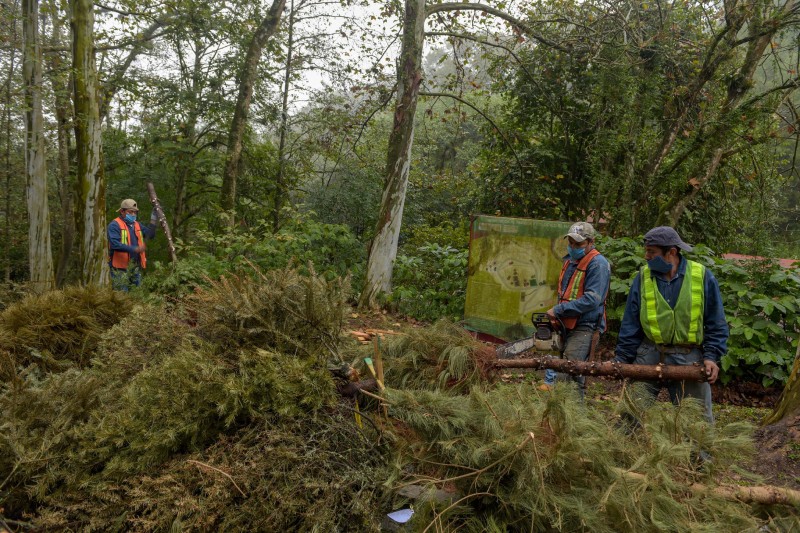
(674, 315)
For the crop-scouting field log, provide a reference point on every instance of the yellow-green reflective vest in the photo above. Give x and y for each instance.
(682, 324)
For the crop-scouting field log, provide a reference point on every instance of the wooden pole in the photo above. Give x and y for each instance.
(163, 221)
(659, 372)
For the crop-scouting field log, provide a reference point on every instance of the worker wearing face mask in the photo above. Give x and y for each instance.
(582, 290)
(126, 246)
(674, 316)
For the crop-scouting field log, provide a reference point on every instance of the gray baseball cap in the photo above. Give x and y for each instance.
(580, 231)
(665, 236)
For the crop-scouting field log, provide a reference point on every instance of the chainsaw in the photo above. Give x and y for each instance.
(548, 338)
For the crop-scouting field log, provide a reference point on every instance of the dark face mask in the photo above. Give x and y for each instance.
(659, 264)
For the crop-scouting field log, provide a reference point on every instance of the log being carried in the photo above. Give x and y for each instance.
(549, 339)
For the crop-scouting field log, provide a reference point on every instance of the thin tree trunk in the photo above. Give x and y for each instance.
(60, 82)
(186, 160)
(7, 221)
(40, 255)
(91, 180)
(247, 78)
(279, 182)
(383, 249)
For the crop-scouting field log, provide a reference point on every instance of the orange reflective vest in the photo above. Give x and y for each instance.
(120, 259)
(574, 288)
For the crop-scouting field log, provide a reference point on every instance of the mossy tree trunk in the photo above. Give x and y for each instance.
(59, 79)
(91, 179)
(40, 255)
(789, 404)
(383, 249)
(246, 79)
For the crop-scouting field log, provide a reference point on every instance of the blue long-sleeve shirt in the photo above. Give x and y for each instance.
(589, 308)
(114, 236)
(715, 327)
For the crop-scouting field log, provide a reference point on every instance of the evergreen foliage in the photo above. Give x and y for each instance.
(278, 309)
(515, 459)
(159, 406)
(57, 329)
(442, 356)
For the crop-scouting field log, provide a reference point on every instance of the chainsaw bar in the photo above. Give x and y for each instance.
(512, 349)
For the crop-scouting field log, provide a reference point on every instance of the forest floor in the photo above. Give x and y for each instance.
(777, 460)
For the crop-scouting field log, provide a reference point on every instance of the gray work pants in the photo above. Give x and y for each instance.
(648, 354)
(577, 346)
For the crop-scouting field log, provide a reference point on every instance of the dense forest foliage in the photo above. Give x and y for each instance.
(361, 136)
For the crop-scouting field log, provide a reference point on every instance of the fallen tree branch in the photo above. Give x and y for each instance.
(764, 494)
(659, 372)
(198, 463)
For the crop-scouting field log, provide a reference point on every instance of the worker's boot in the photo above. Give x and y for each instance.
(544, 387)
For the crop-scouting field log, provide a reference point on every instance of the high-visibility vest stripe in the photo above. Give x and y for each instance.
(120, 259)
(574, 288)
(682, 324)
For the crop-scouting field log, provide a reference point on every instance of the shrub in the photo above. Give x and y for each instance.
(330, 248)
(431, 282)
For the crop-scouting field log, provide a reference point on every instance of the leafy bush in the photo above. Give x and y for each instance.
(331, 248)
(431, 282)
(445, 234)
(761, 301)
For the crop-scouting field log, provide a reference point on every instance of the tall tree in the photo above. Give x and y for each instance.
(59, 79)
(246, 80)
(40, 255)
(383, 249)
(8, 109)
(91, 180)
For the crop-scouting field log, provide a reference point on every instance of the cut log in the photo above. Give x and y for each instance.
(163, 221)
(659, 372)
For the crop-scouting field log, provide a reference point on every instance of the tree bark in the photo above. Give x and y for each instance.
(609, 369)
(66, 187)
(90, 176)
(287, 78)
(789, 403)
(383, 249)
(162, 220)
(247, 78)
(40, 255)
(7, 199)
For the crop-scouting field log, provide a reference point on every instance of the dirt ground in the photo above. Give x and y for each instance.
(778, 457)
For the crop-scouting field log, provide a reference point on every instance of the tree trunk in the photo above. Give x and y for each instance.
(383, 249)
(609, 369)
(90, 177)
(761, 32)
(8, 172)
(287, 77)
(247, 78)
(66, 187)
(789, 404)
(40, 255)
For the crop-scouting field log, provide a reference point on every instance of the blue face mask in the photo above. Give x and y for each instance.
(130, 219)
(660, 265)
(576, 253)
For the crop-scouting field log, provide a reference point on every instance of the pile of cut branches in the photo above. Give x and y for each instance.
(231, 422)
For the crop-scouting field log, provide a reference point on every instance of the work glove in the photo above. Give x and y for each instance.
(153, 218)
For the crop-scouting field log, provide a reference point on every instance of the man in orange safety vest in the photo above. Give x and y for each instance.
(126, 246)
(582, 290)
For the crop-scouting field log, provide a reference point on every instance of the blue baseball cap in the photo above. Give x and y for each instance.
(665, 236)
